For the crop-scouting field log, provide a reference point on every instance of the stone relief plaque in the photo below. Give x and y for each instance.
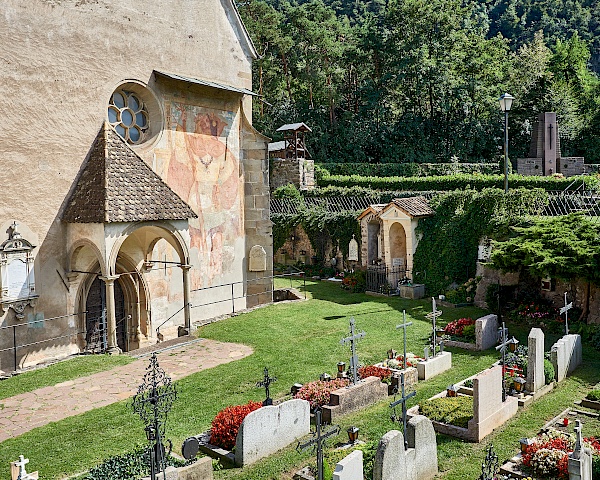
(17, 272)
(258, 259)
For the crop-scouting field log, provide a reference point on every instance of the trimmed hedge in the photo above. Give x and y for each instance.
(459, 182)
(409, 169)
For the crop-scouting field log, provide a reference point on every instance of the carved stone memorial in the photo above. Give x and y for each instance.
(258, 259)
(17, 272)
(353, 250)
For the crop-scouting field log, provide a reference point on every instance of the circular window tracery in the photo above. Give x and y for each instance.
(128, 115)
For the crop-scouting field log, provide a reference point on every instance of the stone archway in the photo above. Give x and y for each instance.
(397, 239)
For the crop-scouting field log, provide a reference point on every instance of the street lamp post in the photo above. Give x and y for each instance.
(505, 103)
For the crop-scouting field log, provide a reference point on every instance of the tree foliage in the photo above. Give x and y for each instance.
(565, 247)
(418, 80)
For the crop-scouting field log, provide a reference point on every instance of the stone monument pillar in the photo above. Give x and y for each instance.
(111, 316)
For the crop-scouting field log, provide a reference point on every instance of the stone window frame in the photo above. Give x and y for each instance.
(131, 104)
(151, 106)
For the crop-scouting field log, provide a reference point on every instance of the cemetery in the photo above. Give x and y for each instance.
(268, 397)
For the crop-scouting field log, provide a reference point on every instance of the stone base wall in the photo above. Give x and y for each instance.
(570, 166)
(434, 366)
(530, 166)
(352, 398)
(299, 172)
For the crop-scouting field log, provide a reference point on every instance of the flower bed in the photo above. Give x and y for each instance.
(398, 363)
(462, 329)
(226, 424)
(452, 410)
(548, 455)
(384, 374)
(318, 393)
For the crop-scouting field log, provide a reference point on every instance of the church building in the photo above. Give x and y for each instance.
(135, 191)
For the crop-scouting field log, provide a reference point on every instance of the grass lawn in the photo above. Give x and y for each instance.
(70, 369)
(297, 341)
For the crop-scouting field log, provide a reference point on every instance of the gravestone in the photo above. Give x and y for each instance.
(257, 259)
(535, 360)
(486, 331)
(580, 460)
(281, 425)
(566, 355)
(350, 467)
(418, 462)
(489, 409)
(353, 250)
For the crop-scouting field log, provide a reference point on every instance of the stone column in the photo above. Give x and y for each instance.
(186, 298)
(111, 320)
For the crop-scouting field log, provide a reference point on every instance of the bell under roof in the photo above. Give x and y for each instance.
(116, 185)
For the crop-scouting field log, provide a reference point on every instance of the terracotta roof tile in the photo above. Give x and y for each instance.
(116, 185)
(414, 206)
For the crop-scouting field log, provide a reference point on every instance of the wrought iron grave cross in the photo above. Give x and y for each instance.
(401, 400)
(502, 347)
(318, 441)
(403, 327)
(267, 381)
(152, 403)
(565, 310)
(435, 313)
(352, 341)
(490, 466)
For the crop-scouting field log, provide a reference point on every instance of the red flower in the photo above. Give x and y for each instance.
(226, 424)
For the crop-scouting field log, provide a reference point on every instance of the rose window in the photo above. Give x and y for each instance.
(128, 116)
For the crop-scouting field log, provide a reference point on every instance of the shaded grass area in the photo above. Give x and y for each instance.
(297, 341)
(76, 367)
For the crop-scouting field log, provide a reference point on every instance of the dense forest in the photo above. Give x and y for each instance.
(419, 80)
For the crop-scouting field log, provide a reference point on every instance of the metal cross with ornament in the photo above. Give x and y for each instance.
(318, 441)
(403, 327)
(565, 310)
(435, 313)
(402, 400)
(502, 347)
(267, 381)
(352, 341)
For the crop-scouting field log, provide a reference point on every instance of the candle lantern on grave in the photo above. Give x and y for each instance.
(295, 389)
(519, 384)
(525, 442)
(391, 353)
(352, 434)
(512, 344)
(451, 391)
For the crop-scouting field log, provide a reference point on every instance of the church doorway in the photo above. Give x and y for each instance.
(96, 325)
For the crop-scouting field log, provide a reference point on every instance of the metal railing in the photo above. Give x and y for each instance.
(386, 280)
(15, 347)
(232, 296)
(96, 341)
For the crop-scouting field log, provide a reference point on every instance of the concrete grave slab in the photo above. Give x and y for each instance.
(349, 399)
(419, 462)
(350, 467)
(434, 366)
(281, 424)
(566, 355)
(535, 360)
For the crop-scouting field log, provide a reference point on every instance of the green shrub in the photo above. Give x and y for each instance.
(453, 410)
(407, 169)
(469, 332)
(459, 181)
(128, 466)
(548, 371)
(594, 395)
(595, 339)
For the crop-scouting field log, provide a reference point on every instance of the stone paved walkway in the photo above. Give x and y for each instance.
(30, 410)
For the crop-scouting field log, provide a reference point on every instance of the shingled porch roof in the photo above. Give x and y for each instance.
(116, 185)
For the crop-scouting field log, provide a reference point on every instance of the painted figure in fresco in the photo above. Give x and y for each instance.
(204, 171)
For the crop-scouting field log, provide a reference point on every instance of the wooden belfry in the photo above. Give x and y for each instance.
(293, 137)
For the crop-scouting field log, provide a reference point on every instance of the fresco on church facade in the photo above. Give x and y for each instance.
(203, 169)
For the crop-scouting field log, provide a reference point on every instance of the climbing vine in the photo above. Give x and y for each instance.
(447, 251)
